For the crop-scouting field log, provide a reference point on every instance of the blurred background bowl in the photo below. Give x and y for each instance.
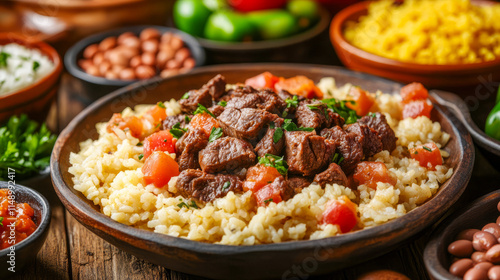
(95, 87)
(34, 100)
(436, 76)
(290, 49)
(476, 215)
(26, 250)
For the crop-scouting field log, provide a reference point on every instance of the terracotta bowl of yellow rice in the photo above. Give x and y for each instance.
(442, 44)
(220, 259)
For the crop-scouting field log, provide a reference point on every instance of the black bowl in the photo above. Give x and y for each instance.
(489, 147)
(476, 215)
(26, 250)
(96, 87)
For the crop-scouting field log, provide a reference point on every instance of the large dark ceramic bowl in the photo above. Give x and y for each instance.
(259, 261)
(473, 115)
(26, 250)
(476, 215)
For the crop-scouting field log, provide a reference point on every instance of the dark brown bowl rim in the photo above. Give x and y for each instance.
(310, 33)
(72, 55)
(430, 256)
(337, 37)
(102, 223)
(45, 216)
(45, 49)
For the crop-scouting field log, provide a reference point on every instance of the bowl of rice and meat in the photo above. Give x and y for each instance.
(444, 44)
(29, 76)
(282, 167)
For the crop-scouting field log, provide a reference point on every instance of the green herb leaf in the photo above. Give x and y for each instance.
(202, 109)
(223, 103)
(288, 125)
(193, 204)
(226, 185)
(177, 131)
(337, 158)
(339, 107)
(3, 59)
(141, 156)
(36, 65)
(161, 105)
(268, 200)
(215, 134)
(1, 221)
(183, 204)
(275, 161)
(157, 125)
(185, 96)
(278, 133)
(139, 144)
(187, 119)
(313, 106)
(426, 148)
(292, 102)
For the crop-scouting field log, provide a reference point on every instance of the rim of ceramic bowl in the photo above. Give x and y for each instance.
(44, 83)
(45, 215)
(359, 9)
(312, 32)
(81, 4)
(74, 53)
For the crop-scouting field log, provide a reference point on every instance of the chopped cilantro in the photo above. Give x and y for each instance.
(183, 204)
(139, 144)
(291, 126)
(426, 148)
(202, 109)
(141, 156)
(185, 96)
(278, 133)
(215, 134)
(161, 105)
(275, 161)
(313, 106)
(268, 200)
(193, 204)
(1, 220)
(177, 131)
(340, 107)
(36, 65)
(3, 59)
(292, 102)
(226, 185)
(187, 119)
(223, 103)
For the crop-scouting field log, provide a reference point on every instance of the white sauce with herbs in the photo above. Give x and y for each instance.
(21, 67)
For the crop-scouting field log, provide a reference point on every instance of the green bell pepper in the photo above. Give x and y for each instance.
(215, 5)
(306, 11)
(229, 26)
(191, 16)
(492, 127)
(273, 24)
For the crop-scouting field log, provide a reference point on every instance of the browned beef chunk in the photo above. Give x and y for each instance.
(298, 183)
(188, 147)
(216, 87)
(264, 100)
(267, 145)
(216, 110)
(317, 115)
(281, 185)
(170, 121)
(306, 152)
(195, 97)
(246, 123)
(205, 187)
(332, 175)
(347, 145)
(238, 92)
(226, 154)
(378, 122)
(367, 137)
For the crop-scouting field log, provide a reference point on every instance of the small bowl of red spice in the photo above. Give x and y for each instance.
(24, 222)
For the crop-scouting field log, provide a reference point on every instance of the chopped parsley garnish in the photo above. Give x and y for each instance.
(268, 200)
(215, 134)
(202, 109)
(1, 221)
(165, 140)
(188, 205)
(187, 119)
(177, 131)
(3, 59)
(290, 102)
(141, 156)
(313, 106)
(223, 103)
(291, 126)
(139, 144)
(337, 158)
(193, 204)
(340, 107)
(226, 185)
(278, 133)
(36, 65)
(426, 148)
(275, 161)
(416, 153)
(183, 204)
(185, 96)
(161, 105)
(373, 115)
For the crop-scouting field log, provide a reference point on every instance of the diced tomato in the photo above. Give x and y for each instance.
(369, 173)
(159, 141)
(364, 101)
(258, 176)
(299, 85)
(417, 108)
(132, 123)
(156, 114)
(414, 91)
(264, 80)
(204, 122)
(159, 168)
(267, 194)
(428, 155)
(341, 212)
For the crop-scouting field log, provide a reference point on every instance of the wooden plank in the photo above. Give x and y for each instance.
(52, 260)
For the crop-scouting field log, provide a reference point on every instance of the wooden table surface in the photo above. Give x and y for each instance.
(73, 252)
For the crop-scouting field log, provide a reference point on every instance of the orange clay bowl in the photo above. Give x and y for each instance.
(436, 76)
(36, 98)
(269, 261)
